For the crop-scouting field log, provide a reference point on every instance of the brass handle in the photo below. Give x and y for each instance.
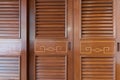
(118, 46)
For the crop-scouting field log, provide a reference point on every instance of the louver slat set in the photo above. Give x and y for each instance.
(59, 39)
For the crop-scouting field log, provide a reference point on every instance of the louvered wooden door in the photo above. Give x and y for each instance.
(51, 40)
(12, 40)
(94, 48)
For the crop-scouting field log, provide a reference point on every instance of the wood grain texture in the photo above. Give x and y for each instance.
(10, 68)
(97, 18)
(97, 68)
(51, 47)
(50, 18)
(97, 47)
(9, 19)
(10, 47)
(51, 68)
(94, 40)
(13, 40)
(117, 36)
(24, 39)
(51, 29)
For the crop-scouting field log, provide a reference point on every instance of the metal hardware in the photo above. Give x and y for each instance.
(118, 46)
(69, 45)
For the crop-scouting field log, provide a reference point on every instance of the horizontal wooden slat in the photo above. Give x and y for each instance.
(97, 8)
(96, 1)
(97, 32)
(10, 2)
(94, 25)
(51, 10)
(97, 5)
(94, 70)
(49, 0)
(97, 15)
(9, 68)
(49, 36)
(98, 29)
(9, 18)
(50, 26)
(50, 7)
(8, 6)
(97, 18)
(53, 4)
(50, 67)
(97, 35)
(97, 22)
(97, 68)
(49, 29)
(50, 17)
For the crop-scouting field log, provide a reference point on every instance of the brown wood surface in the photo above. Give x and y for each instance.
(117, 29)
(51, 17)
(94, 45)
(65, 40)
(10, 19)
(96, 68)
(51, 39)
(92, 14)
(13, 40)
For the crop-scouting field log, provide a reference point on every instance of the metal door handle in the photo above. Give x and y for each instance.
(118, 46)
(69, 45)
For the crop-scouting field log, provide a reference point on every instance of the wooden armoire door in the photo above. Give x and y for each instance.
(51, 56)
(13, 40)
(117, 24)
(94, 45)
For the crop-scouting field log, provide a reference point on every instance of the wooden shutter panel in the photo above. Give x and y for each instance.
(97, 68)
(9, 18)
(97, 18)
(49, 38)
(51, 68)
(50, 18)
(13, 40)
(9, 68)
(94, 25)
(10, 48)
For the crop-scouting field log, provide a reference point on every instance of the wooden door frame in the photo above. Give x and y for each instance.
(117, 33)
(31, 22)
(77, 24)
(24, 39)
